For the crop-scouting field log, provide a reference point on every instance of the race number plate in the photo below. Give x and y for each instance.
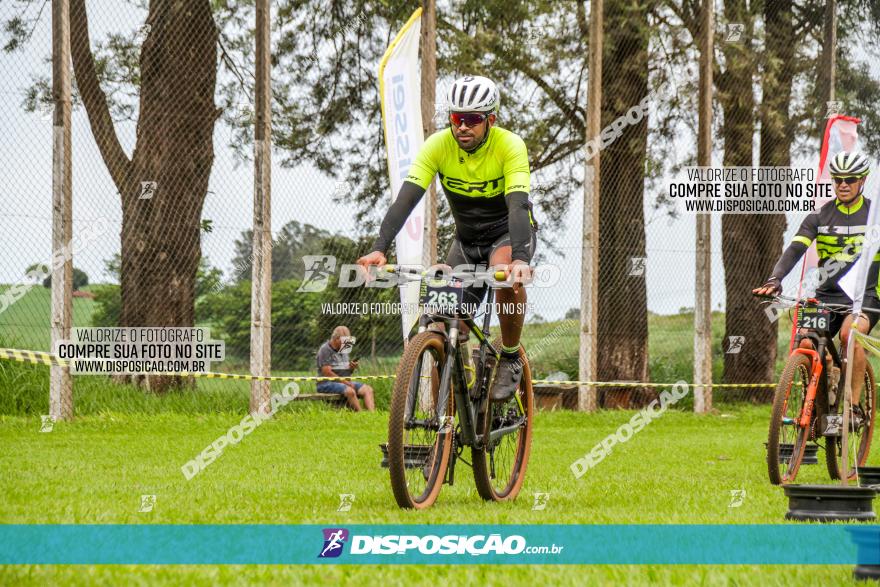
(814, 319)
(441, 297)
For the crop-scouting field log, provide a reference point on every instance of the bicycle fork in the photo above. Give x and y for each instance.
(812, 388)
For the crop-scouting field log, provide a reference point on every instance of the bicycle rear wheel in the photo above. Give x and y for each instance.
(787, 439)
(419, 442)
(860, 436)
(500, 466)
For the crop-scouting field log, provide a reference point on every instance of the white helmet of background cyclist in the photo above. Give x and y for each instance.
(473, 93)
(853, 164)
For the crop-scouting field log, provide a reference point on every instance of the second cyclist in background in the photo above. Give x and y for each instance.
(838, 228)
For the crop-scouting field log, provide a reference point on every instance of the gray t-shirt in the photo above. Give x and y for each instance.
(339, 361)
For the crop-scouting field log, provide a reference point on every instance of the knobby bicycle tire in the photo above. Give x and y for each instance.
(489, 488)
(436, 453)
(797, 364)
(833, 443)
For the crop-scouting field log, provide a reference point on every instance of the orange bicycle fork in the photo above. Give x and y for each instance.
(813, 387)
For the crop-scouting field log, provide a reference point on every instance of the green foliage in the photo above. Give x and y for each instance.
(208, 278)
(113, 267)
(108, 305)
(294, 339)
(24, 388)
(378, 328)
(292, 242)
(36, 270)
(108, 297)
(80, 279)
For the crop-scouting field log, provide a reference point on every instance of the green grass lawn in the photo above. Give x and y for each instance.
(26, 324)
(291, 470)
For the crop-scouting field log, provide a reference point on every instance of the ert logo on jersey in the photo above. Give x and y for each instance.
(460, 185)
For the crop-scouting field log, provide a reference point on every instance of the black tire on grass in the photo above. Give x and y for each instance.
(797, 370)
(868, 402)
(418, 487)
(511, 454)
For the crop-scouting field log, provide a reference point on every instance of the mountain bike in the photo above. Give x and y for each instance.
(440, 401)
(808, 402)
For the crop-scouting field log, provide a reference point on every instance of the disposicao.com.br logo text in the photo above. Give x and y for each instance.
(455, 544)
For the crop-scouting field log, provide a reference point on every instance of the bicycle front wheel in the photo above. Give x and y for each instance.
(861, 433)
(787, 439)
(500, 465)
(419, 433)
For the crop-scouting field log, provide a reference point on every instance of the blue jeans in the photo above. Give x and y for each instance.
(336, 386)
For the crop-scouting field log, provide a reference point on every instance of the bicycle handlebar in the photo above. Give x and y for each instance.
(812, 302)
(500, 276)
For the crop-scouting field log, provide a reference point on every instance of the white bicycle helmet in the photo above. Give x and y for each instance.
(473, 93)
(853, 164)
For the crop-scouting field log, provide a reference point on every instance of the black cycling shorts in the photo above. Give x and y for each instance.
(838, 317)
(477, 257)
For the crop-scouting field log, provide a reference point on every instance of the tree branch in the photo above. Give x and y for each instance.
(582, 19)
(93, 97)
(574, 113)
(557, 154)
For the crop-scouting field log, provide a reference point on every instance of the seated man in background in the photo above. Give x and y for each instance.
(334, 361)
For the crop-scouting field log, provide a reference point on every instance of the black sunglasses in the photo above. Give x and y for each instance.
(848, 180)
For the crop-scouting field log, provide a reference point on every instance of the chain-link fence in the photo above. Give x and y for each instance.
(163, 185)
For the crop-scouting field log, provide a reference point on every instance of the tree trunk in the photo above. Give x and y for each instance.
(160, 233)
(752, 243)
(623, 322)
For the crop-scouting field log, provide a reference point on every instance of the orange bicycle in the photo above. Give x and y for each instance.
(807, 403)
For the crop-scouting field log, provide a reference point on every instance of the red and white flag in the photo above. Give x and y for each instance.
(841, 134)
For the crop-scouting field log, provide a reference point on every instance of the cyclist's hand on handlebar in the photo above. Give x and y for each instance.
(376, 258)
(520, 272)
(771, 288)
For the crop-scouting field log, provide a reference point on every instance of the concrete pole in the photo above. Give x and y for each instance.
(60, 383)
(429, 98)
(703, 289)
(261, 285)
(587, 396)
(828, 69)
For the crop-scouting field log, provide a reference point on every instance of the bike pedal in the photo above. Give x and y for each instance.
(788, 421)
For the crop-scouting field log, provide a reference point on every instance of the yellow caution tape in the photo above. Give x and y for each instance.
(43, 358)
(646, 384)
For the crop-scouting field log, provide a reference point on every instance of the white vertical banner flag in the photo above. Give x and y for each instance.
(856, 279)
(400, 90)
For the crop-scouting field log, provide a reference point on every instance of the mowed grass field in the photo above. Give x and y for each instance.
(124, 444)
(680, 469)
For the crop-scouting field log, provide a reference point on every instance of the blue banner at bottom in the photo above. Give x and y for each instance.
(441, 544)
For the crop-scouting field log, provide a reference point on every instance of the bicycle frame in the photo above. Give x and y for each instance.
(821, 344)
(466, 407)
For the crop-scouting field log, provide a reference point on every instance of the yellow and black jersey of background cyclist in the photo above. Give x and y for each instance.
(487, 190)
(839, 232)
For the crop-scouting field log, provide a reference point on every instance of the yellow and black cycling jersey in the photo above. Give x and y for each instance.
(839, 233)
(487, 189)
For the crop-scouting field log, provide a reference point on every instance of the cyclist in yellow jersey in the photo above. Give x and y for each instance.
(484, 171)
